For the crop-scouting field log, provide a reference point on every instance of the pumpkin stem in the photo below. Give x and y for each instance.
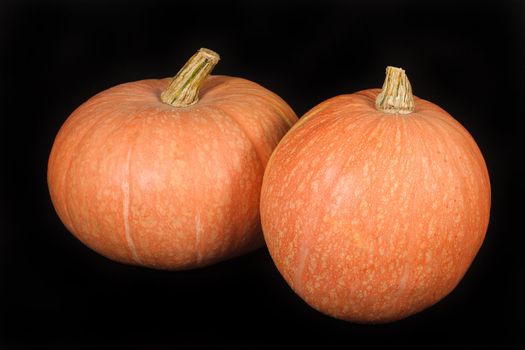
(396, 96)
(184, 88)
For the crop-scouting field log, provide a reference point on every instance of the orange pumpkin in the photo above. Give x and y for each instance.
(374, 204)
(168, 175)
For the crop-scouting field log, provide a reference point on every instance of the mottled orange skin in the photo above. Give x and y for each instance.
(145, 183)
(371, 217)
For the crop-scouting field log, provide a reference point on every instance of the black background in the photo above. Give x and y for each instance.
(467, 57)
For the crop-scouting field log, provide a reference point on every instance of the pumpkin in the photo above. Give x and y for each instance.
(166, 173)
(374, 204)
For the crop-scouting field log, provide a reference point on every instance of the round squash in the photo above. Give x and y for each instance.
(374, 204)
(168, 175)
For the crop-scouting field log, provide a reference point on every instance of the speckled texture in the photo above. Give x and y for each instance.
(371, 217)
(146, 183)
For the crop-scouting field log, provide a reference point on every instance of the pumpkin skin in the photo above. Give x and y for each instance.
(145, 183)
(369, 216)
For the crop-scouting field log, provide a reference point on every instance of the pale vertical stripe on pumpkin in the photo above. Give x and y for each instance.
(198, 233)
(184, 88)
(396, 95)
(125, 211)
